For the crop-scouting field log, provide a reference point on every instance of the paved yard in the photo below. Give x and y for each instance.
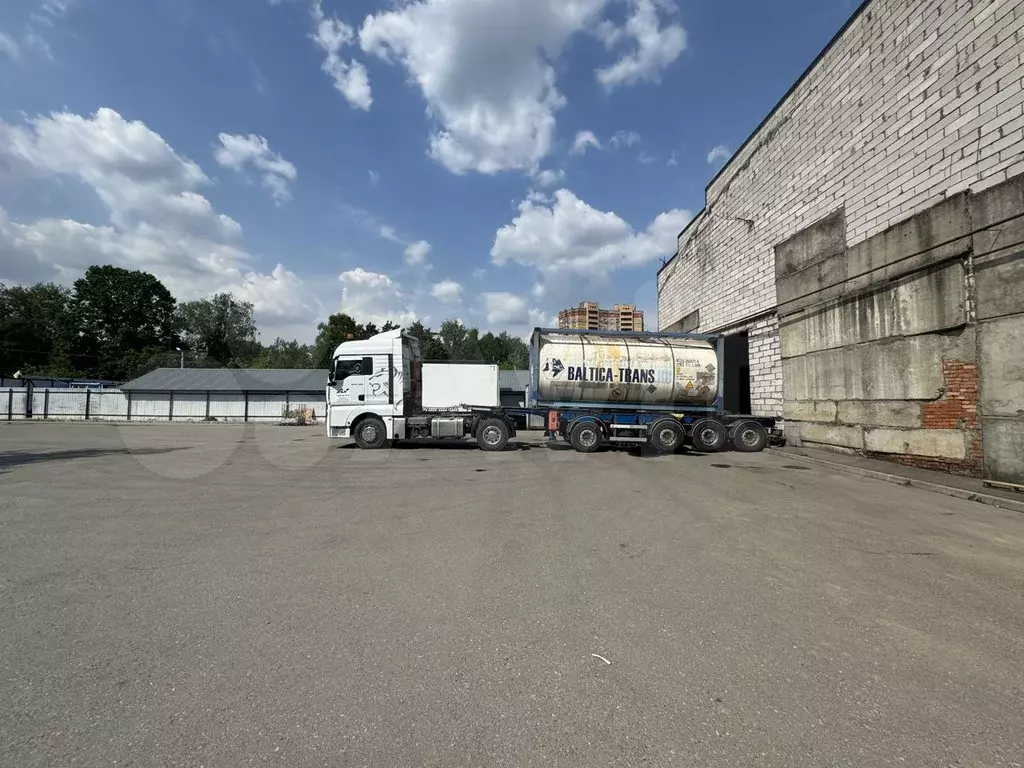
(176, 595)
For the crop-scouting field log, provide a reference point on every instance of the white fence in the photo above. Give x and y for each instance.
(115, 405)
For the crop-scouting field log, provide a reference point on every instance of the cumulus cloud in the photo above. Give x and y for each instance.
(485, 68)
(374, 297)
(654, 46)
(158, 219)
(447, 291)
(416, 253)
(548, 177)
(718, 154)
(583, 141)
(350, 77)
(239, 152)
(502, 308)
(570, 236)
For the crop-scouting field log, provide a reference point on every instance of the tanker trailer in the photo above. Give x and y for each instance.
(661, 389)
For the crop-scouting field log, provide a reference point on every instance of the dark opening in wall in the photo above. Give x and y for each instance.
(737, 373)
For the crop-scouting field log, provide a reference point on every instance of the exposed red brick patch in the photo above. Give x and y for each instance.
(956, 409)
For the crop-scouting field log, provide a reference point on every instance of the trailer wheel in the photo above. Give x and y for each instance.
(750, 437)
(667, 436)
(492, 435)
(709, 436)
(371, 433)
(585, 437)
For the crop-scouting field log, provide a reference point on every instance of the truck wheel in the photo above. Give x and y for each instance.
(585, 437)
(371, 433)
(492, 435)
(709, 436)
(666, 436)
(750, 437)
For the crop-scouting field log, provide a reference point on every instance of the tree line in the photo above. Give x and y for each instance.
(117, 324)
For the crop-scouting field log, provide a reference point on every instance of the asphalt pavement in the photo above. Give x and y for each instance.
(229, 595)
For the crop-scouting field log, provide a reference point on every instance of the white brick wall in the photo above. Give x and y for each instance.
(918, 100)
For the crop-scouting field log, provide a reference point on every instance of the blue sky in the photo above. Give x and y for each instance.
(492, 160)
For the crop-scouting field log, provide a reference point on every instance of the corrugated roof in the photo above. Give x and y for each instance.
(229, 380)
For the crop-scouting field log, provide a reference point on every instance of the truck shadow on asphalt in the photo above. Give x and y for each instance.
(11, 459)
(438, 445)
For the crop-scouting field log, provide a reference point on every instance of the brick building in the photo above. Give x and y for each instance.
(863, 247)
(589, 315)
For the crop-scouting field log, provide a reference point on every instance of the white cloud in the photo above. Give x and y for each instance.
(374, 176)
(656, 46)
(673, 161)
(237, 152)
(569, 236)
(624, 139)
(447, 291)
(373, 297)
(646, 159)
(583, 141)
(9, 47)
(483, 67)
(350, 77)
(502, 308)
(718, 154)
(387, 232)
(548, 177)
(158, 220)
(479, 273)
(416, 253)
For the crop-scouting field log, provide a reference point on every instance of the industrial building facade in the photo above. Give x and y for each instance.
(589, 315)
(863, 247)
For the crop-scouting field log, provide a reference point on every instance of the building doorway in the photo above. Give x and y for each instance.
(736, 397)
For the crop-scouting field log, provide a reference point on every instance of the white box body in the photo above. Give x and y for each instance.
(453, 386)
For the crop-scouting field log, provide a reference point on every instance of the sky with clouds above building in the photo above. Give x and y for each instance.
(491, 160)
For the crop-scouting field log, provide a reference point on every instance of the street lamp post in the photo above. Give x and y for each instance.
(179, 349)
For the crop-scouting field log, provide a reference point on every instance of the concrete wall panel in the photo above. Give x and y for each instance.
(1001, 350)
(928, 301)
(893, 369)
(936, 443)
(829, 434)
(1004, 449)
(880, 413)
(810, 410)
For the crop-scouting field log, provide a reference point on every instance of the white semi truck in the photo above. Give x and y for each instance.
(594, 388)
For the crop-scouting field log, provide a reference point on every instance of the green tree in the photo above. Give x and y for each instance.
(453, 336)
(431, 347)
(338, 328)
(285, 354)
(220, 327)
(517, 353)
(38, 331)
(492, 348)
(471, 346)
(124, 317)
(389, 326)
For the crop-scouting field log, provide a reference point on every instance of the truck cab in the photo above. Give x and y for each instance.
(375, 394)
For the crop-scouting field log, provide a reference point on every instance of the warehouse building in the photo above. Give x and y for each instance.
(863, 248)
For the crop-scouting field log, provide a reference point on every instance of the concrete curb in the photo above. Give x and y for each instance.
(948, 490)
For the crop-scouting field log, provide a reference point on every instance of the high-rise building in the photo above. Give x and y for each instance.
(591, 316)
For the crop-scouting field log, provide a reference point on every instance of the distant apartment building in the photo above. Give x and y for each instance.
(590, 316)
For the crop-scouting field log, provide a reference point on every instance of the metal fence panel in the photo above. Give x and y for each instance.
(189, 406)
(149, 406)
(109, 405)
(228, 407)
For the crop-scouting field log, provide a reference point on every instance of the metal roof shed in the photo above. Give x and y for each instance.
(230, 380)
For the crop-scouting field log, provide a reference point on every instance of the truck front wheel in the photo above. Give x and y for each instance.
(371, 433)
(492, 435)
